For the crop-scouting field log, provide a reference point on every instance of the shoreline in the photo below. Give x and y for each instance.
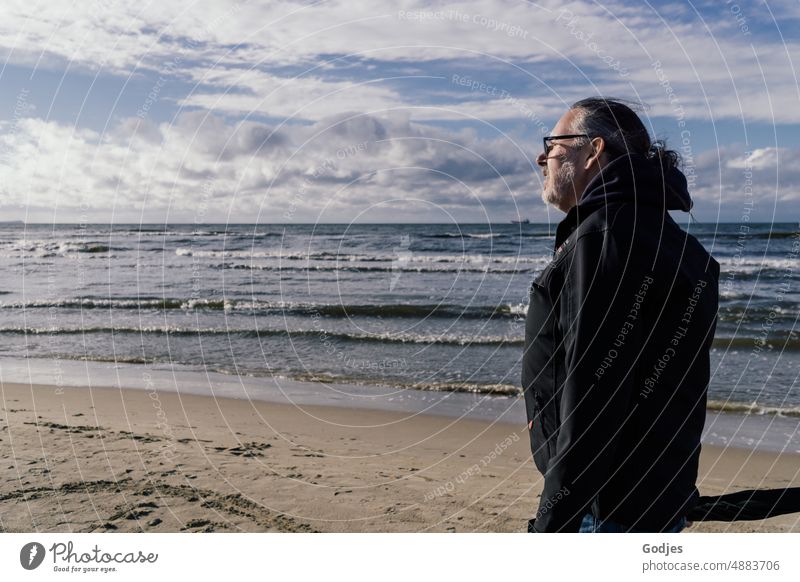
(110, 459)
(728, 428)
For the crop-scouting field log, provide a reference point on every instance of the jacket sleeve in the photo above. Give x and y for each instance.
(600, 311)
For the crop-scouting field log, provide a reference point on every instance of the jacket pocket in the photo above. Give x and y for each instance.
(538, 436)
(538, 373)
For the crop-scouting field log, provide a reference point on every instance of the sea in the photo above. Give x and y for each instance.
(411, 309)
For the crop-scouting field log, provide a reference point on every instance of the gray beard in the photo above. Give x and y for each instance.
(561, 185)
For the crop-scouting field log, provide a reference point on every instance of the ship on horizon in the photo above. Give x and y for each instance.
(521, 221)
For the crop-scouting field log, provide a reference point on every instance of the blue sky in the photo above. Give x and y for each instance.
(386, 111)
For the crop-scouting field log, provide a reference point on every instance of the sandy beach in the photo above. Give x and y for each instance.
(105, 459)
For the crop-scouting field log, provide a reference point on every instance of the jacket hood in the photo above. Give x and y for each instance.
(634, 177)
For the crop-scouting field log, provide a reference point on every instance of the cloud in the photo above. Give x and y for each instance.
(286, 59)
(205, 168)
(296, 111)
(246, 168)
(763, 183)
(758, 159)
(307, 98)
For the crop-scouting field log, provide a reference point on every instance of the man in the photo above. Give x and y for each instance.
(618, 332)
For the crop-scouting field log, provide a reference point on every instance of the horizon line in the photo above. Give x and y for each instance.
(503, 223)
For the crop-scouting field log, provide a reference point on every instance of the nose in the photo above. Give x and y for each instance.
(541, 160)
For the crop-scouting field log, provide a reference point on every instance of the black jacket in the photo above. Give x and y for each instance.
(616, 361)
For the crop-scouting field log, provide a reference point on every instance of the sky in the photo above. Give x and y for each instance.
(381, 111)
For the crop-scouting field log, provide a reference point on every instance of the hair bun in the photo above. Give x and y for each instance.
(659, 154)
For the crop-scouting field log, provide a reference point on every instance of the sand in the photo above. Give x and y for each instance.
(105, 459)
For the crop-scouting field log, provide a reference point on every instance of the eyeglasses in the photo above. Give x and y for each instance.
(548, 138)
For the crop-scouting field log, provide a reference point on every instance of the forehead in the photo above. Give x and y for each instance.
(564, 124)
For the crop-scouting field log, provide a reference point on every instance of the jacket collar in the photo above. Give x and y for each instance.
(628, 178)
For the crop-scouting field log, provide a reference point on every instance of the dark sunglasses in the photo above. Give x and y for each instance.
(548, 138)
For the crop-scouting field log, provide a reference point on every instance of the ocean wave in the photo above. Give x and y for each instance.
(753, 408)
(787, 343)
(773, 235)
(730, 295)
(53, 248)
(396, 268)
(757, 312)
(198, 233)
(320, 334)
(501, 390)
(487, 235)
(404, 256)
(391, 310)
(750, 338)
(753, 265)
(746, 266)
(465, 387)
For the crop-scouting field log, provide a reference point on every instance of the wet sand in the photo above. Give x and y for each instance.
(105, 459)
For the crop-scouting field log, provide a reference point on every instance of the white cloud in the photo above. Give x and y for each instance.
(348, 162)
(304, 98)
(709, 64)
(763, 184)
(528, 63)
(205, 168)
(758, 159)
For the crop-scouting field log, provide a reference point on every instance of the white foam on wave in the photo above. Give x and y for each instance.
(399, 257)
(750, 265)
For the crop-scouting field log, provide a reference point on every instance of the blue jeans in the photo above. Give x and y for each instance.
(591, 524)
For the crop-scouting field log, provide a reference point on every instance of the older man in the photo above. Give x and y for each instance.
(618, 332)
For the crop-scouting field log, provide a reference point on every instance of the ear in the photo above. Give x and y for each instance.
(598, 147)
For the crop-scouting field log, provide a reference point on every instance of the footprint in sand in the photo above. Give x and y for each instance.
(251, 449)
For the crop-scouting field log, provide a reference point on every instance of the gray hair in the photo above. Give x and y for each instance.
(622, 131)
